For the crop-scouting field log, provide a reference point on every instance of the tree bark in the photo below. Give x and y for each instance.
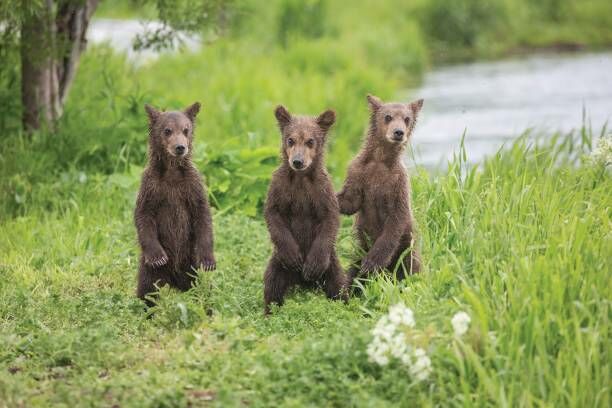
(52, 41)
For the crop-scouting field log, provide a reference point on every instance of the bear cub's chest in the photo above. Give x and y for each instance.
(382, 184)
(176, 200)
(298, 201)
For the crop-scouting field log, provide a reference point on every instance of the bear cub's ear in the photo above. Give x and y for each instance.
(375, 102)
(416, 106)
(192, 111)
(282, 116)
(152, 113)
(326, 119)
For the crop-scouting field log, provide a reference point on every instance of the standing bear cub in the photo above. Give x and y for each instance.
(302, 212)
(377, 189)
(172, 215)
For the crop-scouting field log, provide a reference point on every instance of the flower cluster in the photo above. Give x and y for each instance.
(392, 341)
(603, 152)
(461, 323)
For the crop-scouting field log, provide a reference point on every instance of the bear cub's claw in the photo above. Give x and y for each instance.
(157, 260)
(314, 269)
(368, 266)
(294, 262)
(209, 264)
(311, 272)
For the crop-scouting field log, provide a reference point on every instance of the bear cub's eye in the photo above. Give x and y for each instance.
(407, 120)
(388, 118)
(310, 143)
(290, 142)
(167, 131)
(185, 131)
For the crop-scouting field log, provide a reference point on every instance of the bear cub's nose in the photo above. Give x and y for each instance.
(179, 149)
(398, 134)
(297, 163)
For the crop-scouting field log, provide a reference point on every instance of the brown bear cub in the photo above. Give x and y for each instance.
(301, 212)
(377, 189)
(172, 215)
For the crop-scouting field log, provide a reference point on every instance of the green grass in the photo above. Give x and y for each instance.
(439, 30)
(127, 9)
(104, 128)
(522, 244)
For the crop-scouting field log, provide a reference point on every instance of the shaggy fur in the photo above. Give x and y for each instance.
(172, 215)
(302, 212)
(377, 189)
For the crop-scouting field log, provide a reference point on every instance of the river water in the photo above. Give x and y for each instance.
(120, 34)
(493, 102)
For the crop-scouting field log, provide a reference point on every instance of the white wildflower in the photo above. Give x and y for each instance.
(384, 328)
(398, 345)
(381, 359)
(391, 340)
(400, 314)
(421, 368)
(377, 352)
(461, 322)
(406, 359)
(603, 151)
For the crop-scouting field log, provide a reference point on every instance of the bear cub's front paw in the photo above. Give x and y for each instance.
(315, 267)
(370, 265)
(156, 258)
(292, 259)
(208, 263)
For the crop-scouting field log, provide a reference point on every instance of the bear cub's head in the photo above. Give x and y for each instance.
(303, 137)
(393, 121)
(171, 133)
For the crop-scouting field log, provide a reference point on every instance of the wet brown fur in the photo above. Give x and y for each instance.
(377, 188)
(172, 214)
(302, 213)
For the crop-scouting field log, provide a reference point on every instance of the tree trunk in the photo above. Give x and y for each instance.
(52, 40)
(37, 90)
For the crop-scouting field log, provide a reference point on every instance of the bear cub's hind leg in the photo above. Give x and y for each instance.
(149, 279)
(336, 284)
(277, 281)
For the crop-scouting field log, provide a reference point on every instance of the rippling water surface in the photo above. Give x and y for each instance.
(494, 102)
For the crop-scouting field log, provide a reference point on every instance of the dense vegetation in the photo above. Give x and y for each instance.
(521, 243)
(270, 54)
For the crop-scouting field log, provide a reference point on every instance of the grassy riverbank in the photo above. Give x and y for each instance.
(522, 245)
